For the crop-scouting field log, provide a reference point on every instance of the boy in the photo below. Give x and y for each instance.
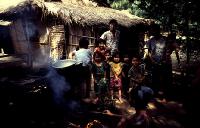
(83, 56)
(140, 94)
(112, 36)
(125, 79)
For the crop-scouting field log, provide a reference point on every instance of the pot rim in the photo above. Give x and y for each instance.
(60, 66)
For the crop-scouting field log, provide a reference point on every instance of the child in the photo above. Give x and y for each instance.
(107, 61)
(100, 46)
(83, 56)
(99, 75)
(125, 79)
(139, 93)
(136, 72)
(107, 55)
(141, 96)
(116, 76)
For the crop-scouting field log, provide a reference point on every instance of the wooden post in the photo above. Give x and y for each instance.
(66, 41)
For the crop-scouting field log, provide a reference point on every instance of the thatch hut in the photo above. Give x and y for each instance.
(36, 25)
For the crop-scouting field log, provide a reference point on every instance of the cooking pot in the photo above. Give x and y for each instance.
(69, 69)
(64, 63)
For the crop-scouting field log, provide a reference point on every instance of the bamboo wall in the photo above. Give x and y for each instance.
(57, 40)
(76, 32)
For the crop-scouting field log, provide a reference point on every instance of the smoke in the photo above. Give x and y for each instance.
(58, 84)
(73, 106)
(60, 88)
(41, 54)
(39, 57)
(38, 49)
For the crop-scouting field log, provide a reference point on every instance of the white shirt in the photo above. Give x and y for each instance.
(112, 41)
(83, 56)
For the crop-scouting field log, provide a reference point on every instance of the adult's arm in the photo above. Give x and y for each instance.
(71, 54)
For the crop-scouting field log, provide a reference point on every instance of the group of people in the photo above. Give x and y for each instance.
(112, 72)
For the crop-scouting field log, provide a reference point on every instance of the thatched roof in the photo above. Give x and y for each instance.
(74, 11)
(5, 5)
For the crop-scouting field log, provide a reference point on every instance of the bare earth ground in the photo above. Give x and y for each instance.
(28, 101)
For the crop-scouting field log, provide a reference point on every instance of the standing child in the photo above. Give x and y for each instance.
(83, 56)
(99, 75)
(136, 73)
(116, 76)
(125, 78)
(107, 61)
(140, 94)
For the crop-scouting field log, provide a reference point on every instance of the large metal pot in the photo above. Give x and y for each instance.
(71, 71)
(60, 64)
(67, 68)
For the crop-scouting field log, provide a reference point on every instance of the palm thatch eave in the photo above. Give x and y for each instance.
(75, 13)
(90, 16)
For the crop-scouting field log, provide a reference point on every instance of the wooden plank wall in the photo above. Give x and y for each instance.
(76, 32)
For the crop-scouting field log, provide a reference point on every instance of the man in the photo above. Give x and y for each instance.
(112, 36)
(155, 49)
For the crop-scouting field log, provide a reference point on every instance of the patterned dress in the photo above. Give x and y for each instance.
(99, 72)
(116, 70)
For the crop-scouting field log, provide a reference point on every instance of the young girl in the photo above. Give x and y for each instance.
(100, 46)
(99, 75)
(115, 75)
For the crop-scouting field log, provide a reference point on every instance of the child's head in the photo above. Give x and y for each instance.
(107, 55)
(98, 41)
(97, 57)
(126, 58)
(116, 57)
(136, 60)
(101, 43)
(83, 42)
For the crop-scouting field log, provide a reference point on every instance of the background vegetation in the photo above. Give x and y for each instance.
(180, 16)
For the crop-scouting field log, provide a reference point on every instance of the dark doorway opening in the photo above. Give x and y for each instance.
(5, 40)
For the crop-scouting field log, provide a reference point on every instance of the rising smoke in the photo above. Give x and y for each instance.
(58, 85)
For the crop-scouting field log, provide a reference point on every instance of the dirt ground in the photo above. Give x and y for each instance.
(27, 100)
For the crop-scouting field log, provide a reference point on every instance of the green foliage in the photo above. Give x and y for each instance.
(178, 15)
(127, 5)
